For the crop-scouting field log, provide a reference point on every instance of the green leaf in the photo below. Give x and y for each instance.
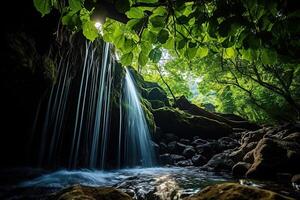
(135, 13)
(119, 41)
(192, 44)
(268, 57)
(190, 53)
(157, 21)
(71, 19)
(129, 45)
(89, 30)
(163, 36)
(143, 58)
(181, 44)
(202, 52)
(155, 55)
(229, 53)
(160, 11)
(169, 44)
(75, 5)
(135, 24)
(84, 15)
(43, 6)
(149, 36)
(126, 59)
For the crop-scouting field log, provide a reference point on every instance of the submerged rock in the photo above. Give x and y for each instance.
(234, 191)
(92, 193)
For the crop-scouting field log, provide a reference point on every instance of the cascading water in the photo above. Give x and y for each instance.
(138, 149)
(82, 109)
(78, 129)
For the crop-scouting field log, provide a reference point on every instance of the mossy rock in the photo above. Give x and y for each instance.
(159, 94)
(234, 191)
(149, 90)
(92, 193)
(156, 104)
(184, 124)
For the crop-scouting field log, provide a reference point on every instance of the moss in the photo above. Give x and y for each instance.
(50, 69)
(233, 191)
(92, 193)
(157, 104)
(186, 125)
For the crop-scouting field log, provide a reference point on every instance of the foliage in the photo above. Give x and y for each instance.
(240, 53)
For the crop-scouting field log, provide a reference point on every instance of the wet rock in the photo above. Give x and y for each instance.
(176, 147)
(296, 181)
(166, 159)
(92, 193)
(163, 148)
(196, 137)
(273, 156)
(185, 141)
(253, 136)
(208, 149)
(170, 159)
(199, 142)
(172, 147)
(189, 152)
(249, 157)
(176, 158)
(184, 163)
(199, 160)
(220, 162)
(228, 143)
(238, 155)
(239, 170)
(234, 191)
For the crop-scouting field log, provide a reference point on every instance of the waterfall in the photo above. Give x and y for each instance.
(138, 148)
(77, 127)
(75, 130)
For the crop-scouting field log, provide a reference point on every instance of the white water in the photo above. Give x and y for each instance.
(78, 111)
(138, 148)
(77, 125)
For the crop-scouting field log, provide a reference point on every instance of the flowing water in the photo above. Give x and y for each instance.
(77, 130)
(138, 148)
(79, 104)
(142, 183)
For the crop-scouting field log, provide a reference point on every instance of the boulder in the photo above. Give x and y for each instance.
(183, 104)
(239, 170)
(199, 160)
(294, 137)
(91, 193)
(235, 191)
(163, 148)
(165, 159)
(185, 141)
(185, 125)
(184, 163)
(189, 152)
(199, 142)
(220, 162)
(272, 156)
